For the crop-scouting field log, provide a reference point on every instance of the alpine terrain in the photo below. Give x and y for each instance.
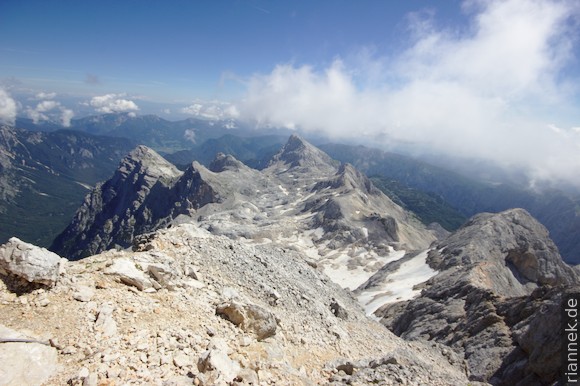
(300, 273)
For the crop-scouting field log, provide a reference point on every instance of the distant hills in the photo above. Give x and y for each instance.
(45, 175)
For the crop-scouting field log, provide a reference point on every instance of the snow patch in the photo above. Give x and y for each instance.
(399, 285)
(349, 269)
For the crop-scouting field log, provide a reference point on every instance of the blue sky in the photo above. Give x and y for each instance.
(497, 79)
(188, 49)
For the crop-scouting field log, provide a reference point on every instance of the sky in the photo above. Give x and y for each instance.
(496, 79)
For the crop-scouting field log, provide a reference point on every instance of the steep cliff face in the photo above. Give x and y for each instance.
(145, 193)
(495, 264)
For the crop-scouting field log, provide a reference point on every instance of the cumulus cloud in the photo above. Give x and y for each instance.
(66, 116)
(7, 108)
(113, 103)
(488, 91)
(48, 110)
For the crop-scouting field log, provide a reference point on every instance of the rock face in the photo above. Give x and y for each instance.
(145, 193)
(298, 153)
(29, 262)
(214, 311)
(489, 298)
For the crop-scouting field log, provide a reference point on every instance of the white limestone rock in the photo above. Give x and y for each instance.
(23, 364)
(29, 262)
(250, 318)
(217, 364)
(129, 274)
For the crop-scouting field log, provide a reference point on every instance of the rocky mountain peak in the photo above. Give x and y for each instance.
(225, 162)
(146, 161)
(145, 193)
(299, 153)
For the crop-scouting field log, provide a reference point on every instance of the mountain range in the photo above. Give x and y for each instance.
(284, 268)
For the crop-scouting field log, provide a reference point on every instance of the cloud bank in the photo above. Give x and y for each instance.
(494, 90)
(113, 103)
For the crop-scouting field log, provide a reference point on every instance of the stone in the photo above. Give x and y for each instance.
(25, 363)
(181, 360)
(218, 364)
(91, 380)
(29, 262)
(84, 293)
(128, 273)
(105, 322)
(250, 318)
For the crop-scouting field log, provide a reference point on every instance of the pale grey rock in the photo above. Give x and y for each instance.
(29, 262)
(182, 360)
(25, 364)
(250, 318)
(91, 380)
(84, 293)
(105, 321)
(493, 265)
(128, 273)
(217, 365)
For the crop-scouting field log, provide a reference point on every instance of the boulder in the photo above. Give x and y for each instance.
(29, 262)
(250, 318)
(129, 274)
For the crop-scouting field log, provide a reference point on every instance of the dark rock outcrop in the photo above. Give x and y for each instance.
(145, 192)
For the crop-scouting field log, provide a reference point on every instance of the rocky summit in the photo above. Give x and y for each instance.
(301, 273)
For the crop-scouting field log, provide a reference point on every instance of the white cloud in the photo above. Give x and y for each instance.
(213, 110)
(113, 103)
(189, 135)
(45, 95)
(66, 116)
(486, 92)
(7, 108)
(45, 106)
(50, 110)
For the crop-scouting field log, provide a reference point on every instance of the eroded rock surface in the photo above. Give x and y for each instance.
(498, 275)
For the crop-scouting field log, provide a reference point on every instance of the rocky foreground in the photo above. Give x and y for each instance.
(186, 307)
